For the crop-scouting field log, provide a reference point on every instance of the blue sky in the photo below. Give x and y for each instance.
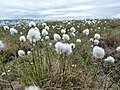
(56, 9)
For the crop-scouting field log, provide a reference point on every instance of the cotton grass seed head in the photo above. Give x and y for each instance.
(98, 52)
(97, 36)
(47, 37)
(32, 88)
(22, 39)
(6, 28)
(63, 31)
(72, 29)
(59, 47)
(118, 49)
(29, 52)
(9, 71)
(91, 40)
(44, 32)
(32, 24)
(13, 31)
(78, 40)
(37, 29)
(21, 53)
(49, 44)
(65, 37)
(57, 37)
(1, 44)
(110, 59)
(44, 24)
(86, 32)
(33, 35)
(47, 28)
(96, 42)
(3, 74)
(63, 48)
(72, 45)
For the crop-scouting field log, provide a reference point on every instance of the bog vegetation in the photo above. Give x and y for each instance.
(60, 55)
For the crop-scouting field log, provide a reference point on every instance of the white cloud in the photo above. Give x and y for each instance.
(58, 9)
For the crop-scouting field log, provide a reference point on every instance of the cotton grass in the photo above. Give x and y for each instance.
(65, 37)
(56, 37)
(13, 31)
(1, 44)
(86, 32)
(98, 52)
(21, 53)
(33, 35)
(110, 59)
(63, 48)
(22, 39)
(32, 88)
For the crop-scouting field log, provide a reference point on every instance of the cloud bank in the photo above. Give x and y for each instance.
(56, 9)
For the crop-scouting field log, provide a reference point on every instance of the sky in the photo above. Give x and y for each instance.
(57, 9)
